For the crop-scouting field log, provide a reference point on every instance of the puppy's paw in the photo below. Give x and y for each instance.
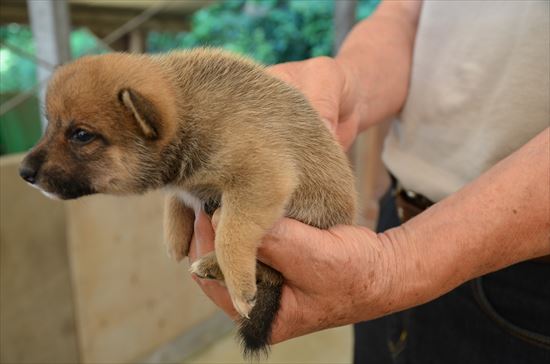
(207, 268)
(244, 302)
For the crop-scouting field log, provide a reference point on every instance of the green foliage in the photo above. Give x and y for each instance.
(20, 127)
(271, 31)
(18, 72)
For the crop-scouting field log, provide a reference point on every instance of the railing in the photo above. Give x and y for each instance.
(53, 43)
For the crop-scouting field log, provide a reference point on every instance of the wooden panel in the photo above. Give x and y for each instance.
(36, 311)
(130, 297)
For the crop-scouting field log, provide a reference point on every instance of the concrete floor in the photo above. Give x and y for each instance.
(329, 346)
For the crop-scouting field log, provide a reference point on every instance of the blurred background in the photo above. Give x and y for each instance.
(88, 281)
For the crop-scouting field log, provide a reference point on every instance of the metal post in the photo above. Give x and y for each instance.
(51, 30)
(136, 41)
(344, 19)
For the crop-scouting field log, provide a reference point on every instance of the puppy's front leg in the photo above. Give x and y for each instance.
(178, 227)
(245, 217)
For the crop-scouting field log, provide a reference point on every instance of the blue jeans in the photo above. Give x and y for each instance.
(503, 317)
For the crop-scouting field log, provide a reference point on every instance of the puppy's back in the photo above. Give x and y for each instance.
(261, 133)
(245, 109)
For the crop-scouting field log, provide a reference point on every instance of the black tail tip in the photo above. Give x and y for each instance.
(255, 332)
(253, 349)
(254, 338)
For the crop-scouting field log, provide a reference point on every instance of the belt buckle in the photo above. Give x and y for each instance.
(398, 191)
(414, 202)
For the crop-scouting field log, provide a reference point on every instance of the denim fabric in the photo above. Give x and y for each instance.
(459, 327)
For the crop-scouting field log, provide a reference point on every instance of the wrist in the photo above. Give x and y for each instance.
(376, 275)
(404, 280)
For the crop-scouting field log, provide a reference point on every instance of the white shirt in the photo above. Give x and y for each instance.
(480, 89)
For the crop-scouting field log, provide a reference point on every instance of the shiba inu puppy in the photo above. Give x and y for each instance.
(213, 130)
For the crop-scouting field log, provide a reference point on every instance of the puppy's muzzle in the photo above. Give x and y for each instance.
(29, 169)
(28, 174)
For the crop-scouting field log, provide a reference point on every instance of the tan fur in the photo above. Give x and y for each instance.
(208, 123)
(178, 226)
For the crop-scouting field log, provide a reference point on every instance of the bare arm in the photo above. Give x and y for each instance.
(348, 273)
(377, 55)
(500, 219)
(369, 79)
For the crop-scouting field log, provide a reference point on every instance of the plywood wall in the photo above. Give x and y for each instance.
(36, 304)
(130, 297)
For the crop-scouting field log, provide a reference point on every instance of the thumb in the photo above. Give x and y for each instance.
(321, 82)
(327, 105)
(216, 218)
(203, 236)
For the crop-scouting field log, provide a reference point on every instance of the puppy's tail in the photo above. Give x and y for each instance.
(255, 332)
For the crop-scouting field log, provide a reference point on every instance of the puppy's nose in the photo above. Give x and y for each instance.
(31, 165)
(28, 173)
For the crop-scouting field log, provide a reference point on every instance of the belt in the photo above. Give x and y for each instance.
(409, 204)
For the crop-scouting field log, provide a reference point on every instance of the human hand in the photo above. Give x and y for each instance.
(332, 277)
(331, 89)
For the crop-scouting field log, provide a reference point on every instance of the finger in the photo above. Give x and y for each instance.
(325, 93)
(315, 78)
(288, 317)
(287, 72)
(330, 126)
(203, 237)
(216, 218)
(287, 243)
(218, 294)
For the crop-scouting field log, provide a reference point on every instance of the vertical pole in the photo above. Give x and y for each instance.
(344, 19)
(136, 41)
(51, 30)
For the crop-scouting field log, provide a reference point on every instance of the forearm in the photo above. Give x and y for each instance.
(500, 219)
(377, 56)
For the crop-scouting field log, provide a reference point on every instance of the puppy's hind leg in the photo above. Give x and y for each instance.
(254, 331)
(207, 267)
(178, 227)
(245, 217)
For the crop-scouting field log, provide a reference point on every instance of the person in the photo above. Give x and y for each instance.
(456, 283)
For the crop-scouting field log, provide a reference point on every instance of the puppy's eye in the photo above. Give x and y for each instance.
(82, 136)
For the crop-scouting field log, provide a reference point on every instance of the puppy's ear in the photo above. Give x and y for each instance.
(143, 110)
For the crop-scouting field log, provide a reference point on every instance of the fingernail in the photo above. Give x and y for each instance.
(328, 124)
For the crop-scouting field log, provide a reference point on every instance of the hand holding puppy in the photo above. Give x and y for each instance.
(312, 299)
(332, 91)
(331, 276)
